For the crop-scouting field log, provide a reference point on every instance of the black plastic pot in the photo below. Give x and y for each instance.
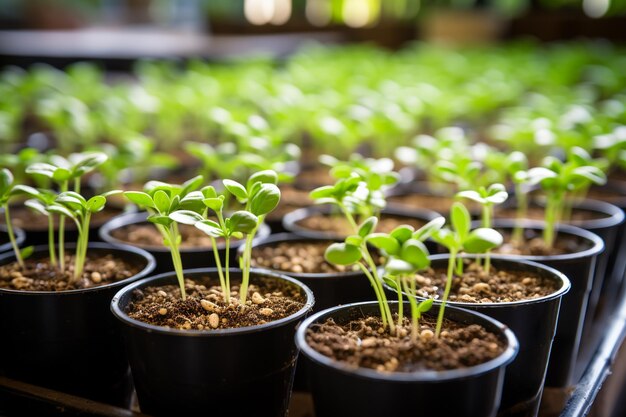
(201, 257)
(534, 324)
(330, 289)
(341, 390)
(579, 267)
(245, 371)
(68, 340)
(5, 243)
(290, 221)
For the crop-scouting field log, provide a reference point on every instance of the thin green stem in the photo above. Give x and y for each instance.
(172, 236)
(522, 208)
(81, 246)
(414, 312)
(379, 285)
(62, 233)
(77, 185)
(551, 213)
(383, 313)
(227, 261)
(245, 280)
(446, 292)
(400, 303)
(16, 249)
(220, 272)
(349, 217)
(51, 248)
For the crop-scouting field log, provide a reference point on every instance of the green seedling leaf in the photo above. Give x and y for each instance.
(96, 203)
(342, 254)
(591, 173)
(37, 206)
(428, 229)
(540, 174)
(402, 233)
(265, 200)
(482, 240)
(384, 242)
(368, 226)
(6, 180)
(471, 195)
(210, 228)
(390, 282)
(354, 240)
(140, 198)
(397, 266)
(25, 189)
(192, 184)
(161, 201)
(160, 219)
(243, 221)
(110, 193)
(267, 176)
(425, 305)
(236, 189)
(192, 201)
(62, 210)
(27, 252)
(209, 192)
(414, 252)
(461, 220)
(215, 204)
(186, 217)
(326, 191)
(87, 162)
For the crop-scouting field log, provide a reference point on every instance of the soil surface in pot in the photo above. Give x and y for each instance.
(534, 245)
(146, 235)
(29, 220)
(205, 308)
(337, 224)
(40, 275)
(537, 213)
(476, 286)
(298, 257)
(438, 203)
(362, 343)
(290, 199)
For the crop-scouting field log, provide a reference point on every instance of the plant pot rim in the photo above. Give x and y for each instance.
(292, 237)
(503, 359)
(128, 219)
(151, 328)
(613, 214)
(150, 265)
(291, 219)
(20, 236)
(597, 244)
(564, 288)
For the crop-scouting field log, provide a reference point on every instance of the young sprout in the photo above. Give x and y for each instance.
(406, 256)
(160, 200)
(487, 198)
(517, 166)
(260, 196)
(8, 190)
(461, 239)
(39, 202)
(557, 179)
(74, 206)
(63, 171)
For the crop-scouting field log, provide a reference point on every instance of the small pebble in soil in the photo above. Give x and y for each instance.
(163, 311)
(214, 320)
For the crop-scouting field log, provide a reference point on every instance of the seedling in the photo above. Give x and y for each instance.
(259, 196)
(405, 257)
(557, 179)
(74, 206)
(359, 189)
(160, 200)
(487, 198)
(404, 249)
(461, 239)
(8, 190)
(63, 171)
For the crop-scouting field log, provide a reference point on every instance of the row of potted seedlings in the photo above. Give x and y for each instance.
(202, 339)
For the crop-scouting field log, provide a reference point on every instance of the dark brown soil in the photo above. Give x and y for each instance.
(362, 343)
(298, 257)
(437, 203)
(476, 286)
(290, 199)
(537, 213)
(39, 275)
(27, 219)
(205, 309)
(146, 235)
(311, 178)
(338, 225)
